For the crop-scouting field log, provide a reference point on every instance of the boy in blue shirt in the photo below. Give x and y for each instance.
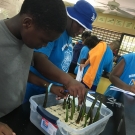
(89, 43)
(76, 51)
(105, 64)
(52, 62)
(123, 75)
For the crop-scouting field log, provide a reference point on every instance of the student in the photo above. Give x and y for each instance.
(33, 27)
(123, 75)
(100, 58)
(52, 62)
(114, 46)
(76, 51)
(89, 43)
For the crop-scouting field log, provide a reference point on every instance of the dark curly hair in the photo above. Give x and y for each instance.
(47, 14)
(85, 35)
(91, 42)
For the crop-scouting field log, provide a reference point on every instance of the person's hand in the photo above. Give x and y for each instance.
(76, 89)
(132, 88)
(82, 66)
(59, 91)
(5, 129)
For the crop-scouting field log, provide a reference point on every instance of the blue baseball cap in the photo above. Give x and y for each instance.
(83, 13)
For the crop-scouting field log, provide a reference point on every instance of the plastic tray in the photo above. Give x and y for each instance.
(36, 117)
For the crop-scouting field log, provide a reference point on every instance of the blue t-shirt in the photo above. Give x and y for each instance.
(83, 55)
(59, 52)
(106, 64)
(129, 72)
(127, 75)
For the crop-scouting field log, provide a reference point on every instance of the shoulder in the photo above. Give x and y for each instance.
(109, 51)
(129, 57)
(85, 48)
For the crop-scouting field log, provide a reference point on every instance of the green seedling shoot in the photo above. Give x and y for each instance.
(64, 104)
(66, 120)
(81, 111)
(72, 109)
(91, 117)
(90, 112)
(46, 97)
(69, 102)
(78, 108)
(97, 115)
(85, 120)
(80, 115)
(84, 111)
(74, 104)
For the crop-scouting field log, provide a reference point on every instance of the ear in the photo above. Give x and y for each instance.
(27, 22)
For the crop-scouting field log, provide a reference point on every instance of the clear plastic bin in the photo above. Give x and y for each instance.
(93, 129)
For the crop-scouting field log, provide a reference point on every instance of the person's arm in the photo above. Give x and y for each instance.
(5, 129)
(32, 78)
(85, 64)
(108, 68)
(50, 71)
(82, 61)
(115, 77)
(83, 56)
(57, 90)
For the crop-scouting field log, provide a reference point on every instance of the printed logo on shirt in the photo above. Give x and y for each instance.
(131, 78)
(132, 75)
(130, 83)
(67, 60)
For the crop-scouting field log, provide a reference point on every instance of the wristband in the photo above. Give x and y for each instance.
(49, 87)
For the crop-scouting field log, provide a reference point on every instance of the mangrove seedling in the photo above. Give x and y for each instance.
(72, 109)
(78, 108)
(84, 111)
(81, 111)
(85, 120)
(74, 104)
(80, 115)
(97, 115)
(90, 116)
(69, 102)
(90, 112)
(66, 120)
(64, 104)
(46, 96)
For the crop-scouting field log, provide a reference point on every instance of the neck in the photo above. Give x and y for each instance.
(13, 25)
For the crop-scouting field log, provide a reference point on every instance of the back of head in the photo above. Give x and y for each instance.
(85, 35)
(115, 45)
(47, 14)
(91, 42)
